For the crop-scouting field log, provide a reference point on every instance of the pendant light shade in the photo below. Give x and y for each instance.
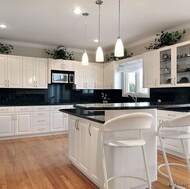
(99, 51)
(119, 48)
(85, 60)
(99, 54)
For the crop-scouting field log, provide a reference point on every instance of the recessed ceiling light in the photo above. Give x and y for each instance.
(77, 10)
(2, 26)
(96, 40)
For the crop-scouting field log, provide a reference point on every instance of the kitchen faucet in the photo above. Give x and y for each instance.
(134, 98)
(105, 98)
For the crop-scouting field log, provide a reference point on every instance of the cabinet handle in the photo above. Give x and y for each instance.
(41, 129)
(89, 129)
(41, 120)
(5, 83)
(4, 110)
(36, 84)
(41, 114)
(156, 82)
(41, 108)
(78, 125)
(23, 109)
(15, 117)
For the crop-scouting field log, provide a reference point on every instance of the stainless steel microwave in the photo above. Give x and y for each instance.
(62, 76)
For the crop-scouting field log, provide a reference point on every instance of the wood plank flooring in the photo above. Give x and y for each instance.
(42, 163)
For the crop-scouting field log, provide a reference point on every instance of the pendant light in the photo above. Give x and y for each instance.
(99, 51)
(85, 60)
(119, 48)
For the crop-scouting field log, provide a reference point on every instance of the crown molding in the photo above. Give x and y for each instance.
(185, 26)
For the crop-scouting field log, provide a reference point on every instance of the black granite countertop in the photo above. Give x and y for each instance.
(138, 105)
(97, 116)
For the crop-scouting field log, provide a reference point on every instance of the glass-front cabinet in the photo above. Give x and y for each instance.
(168, 66)
(183, 64)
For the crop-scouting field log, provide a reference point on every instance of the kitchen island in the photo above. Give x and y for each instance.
(85, 148)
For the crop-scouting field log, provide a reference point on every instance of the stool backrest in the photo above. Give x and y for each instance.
(132, 121)
(181, 121)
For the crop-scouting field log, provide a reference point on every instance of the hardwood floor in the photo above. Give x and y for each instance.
(42, 163)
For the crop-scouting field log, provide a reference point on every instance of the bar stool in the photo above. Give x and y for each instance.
(170, 130)
(128, 122)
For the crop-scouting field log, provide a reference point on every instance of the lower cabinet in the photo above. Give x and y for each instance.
(84, 148)
(23, 120)
(6, 121)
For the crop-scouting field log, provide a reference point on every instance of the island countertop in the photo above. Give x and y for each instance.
(138, 105)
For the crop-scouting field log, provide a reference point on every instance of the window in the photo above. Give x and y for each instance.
(132, 79)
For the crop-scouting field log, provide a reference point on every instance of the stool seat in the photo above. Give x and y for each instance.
(133, 142)
(174, 134)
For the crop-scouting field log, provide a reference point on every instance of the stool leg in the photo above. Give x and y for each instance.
(185, 153)
(166, 162)
(104, 168)
(146, 167)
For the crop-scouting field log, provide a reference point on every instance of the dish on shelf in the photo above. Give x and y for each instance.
(184, 80)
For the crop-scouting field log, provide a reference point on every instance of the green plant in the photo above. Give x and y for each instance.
(5, 49)
(60, 53)
(111, 57)
(165, 39)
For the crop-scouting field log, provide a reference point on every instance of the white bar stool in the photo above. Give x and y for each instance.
(128, 122)
(173, 132)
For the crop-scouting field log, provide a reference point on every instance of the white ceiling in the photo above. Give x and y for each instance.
(52, 22)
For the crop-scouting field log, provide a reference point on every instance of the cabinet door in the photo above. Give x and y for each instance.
(97, 74)
(6, 124)
(84, 147)
(182, 64)
(3, 70)
(24, 123)
(108, 76)
(79, 76)
(73, 139)
(14, 71)
(29, 72)
(41, 72)
(88, 77)
(69, 65)
(96, 170)
(57, 121)
(150, 61)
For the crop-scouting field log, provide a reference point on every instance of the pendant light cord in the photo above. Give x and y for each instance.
(85, 34)
(119, 21)
(99, 26)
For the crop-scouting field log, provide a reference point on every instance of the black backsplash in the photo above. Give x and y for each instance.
(178, 95)
(58, 94)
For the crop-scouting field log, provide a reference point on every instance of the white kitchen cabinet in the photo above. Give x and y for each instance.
(10, 71)
(112, 76)
(150, 62)
(168, 66)
(84, 76)
(59, 120)
(41, 119)
(34, 72)
(23, 120)
(59, 64)
(97, 74)
(6, 121)
(85, 148)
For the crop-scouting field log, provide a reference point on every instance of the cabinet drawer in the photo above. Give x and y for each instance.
(53, 108)
(24, 108)
(41, 120)
(6, 109)
(41, 129)
(41, 108)
(42, 114)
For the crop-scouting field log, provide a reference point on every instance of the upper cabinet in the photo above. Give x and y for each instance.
(88, 77)
(112, 76)
(34, 72)
(10, 71)
(59, 64)
(168, 66)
